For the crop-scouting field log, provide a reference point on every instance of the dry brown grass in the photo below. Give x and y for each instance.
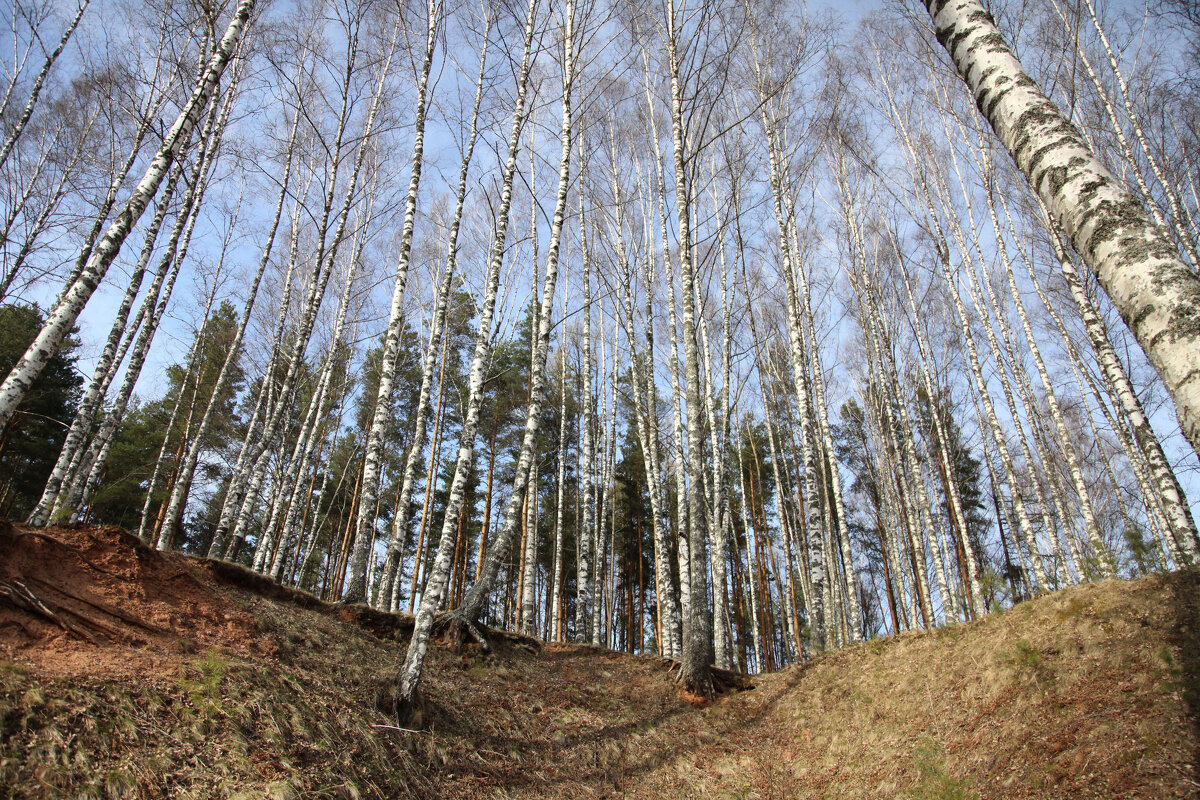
(1079, 694)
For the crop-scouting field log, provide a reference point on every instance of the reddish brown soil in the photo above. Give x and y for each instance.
(96, 601)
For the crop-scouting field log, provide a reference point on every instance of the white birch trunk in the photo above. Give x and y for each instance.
(364, 536)
(74, 496)
(476, 599)
(402, 518)
(187, 465)
(435, 585)
(584, 575)
(62, 317)
(106, 366)
(556, 587)
(35, 91)
(1157, 295)
(698, 626)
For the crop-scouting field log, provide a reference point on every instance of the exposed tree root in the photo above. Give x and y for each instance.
(460, 632)
(410, 712)
(716, 682)
(458, 629)
(19, 596)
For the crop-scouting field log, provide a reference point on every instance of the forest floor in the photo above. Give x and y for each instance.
(129, 673)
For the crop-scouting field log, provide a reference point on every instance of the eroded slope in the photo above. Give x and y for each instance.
(152, 675)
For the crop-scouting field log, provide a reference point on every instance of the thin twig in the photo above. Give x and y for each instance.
(394, 728)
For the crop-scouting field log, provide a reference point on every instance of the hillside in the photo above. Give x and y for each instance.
(128, 673)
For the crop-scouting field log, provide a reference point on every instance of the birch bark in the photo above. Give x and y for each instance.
(410, 676)
(403, 515)
(62, 317)
(1156, 294)
(473, 604)
(356, 591)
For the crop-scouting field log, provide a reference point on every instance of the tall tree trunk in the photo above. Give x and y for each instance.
(473, 605)
(402, 517)
(1157, 295)
(61, 318)
(35, 91)
(695, 671)
(356, 591)
(410, 675)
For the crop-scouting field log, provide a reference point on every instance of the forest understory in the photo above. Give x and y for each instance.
(128, 672)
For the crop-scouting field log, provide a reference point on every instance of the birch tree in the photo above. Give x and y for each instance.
(62, 317)
(1157, 295)
(356, 591)
(408, 700)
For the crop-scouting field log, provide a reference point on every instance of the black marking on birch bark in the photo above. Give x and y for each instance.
(1112, 220)
(1055, 177)
(1087, 191)
(1035, 125)
(989, 98)
(957, 35)
(982, 17)
(1185, 321)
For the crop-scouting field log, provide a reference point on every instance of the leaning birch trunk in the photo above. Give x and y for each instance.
(85, 463)
(1156, 294)
(1155, 502)
(85, 416)
(62, 317)
(356, 591)
(187, 465)
(1179, 216)
(408, 701)
(74, 496)
(35, 91)
(473, 604)
(392, 560)
(148, 115)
